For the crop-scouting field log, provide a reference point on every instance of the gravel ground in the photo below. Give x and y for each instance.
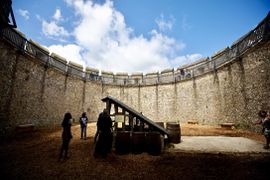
(34, 156)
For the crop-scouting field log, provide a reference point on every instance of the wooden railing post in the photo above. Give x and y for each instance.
(124, 123)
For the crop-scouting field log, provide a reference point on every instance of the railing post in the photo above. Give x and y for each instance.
(215, 66)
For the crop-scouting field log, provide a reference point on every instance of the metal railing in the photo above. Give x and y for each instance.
(60, 65)
(259, 34)
(36, 51)
(14, 37)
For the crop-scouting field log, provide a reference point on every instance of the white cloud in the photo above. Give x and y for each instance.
(187, 59)
(71, 52)
(53, 29)
(24, 13)
(104, 41)
(164, 24)
(185, 25)
(137, 55)
(57, 15)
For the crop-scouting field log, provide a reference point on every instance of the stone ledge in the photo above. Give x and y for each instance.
(59, 58)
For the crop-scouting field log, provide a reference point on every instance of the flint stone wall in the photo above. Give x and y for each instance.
(33, 93)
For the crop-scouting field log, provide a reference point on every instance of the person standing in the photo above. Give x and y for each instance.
(83, 123)
(104, 133)
(66, 135)
(265, 122)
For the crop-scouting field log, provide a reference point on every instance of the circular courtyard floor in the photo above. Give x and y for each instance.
(206, 152)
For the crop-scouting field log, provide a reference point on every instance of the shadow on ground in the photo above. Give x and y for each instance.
(34, 156)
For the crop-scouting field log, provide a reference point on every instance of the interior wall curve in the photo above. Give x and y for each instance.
(32, 92)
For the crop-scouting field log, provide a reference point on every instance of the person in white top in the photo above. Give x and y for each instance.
(83, 123)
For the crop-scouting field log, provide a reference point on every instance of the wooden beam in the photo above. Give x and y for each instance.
(108, 106)
(131, 117)
(124, 123)
(115, 108)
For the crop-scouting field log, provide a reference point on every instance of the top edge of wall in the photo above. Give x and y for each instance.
(76, 65)
(58, 57)
(39, 46)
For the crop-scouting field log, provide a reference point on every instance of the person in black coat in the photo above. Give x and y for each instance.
(104, 134)
(66, 135)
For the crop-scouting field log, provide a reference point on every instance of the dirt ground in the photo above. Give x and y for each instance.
(35, 156)
(207, 130)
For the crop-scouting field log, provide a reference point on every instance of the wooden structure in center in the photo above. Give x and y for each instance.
(137, 133)
(133, 120)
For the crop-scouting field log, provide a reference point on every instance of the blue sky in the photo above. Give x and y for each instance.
(137, 35)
